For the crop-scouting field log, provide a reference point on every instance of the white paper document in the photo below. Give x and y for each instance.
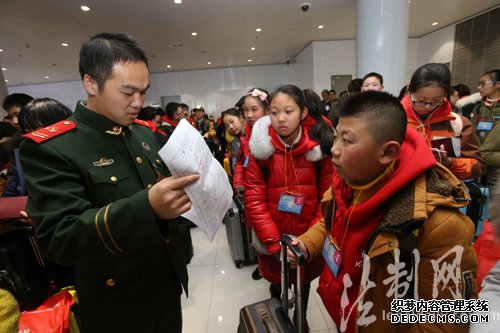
(187, 153)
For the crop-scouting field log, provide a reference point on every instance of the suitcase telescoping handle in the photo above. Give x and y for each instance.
(286, 242)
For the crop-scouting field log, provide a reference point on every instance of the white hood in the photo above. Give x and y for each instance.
(261, 145)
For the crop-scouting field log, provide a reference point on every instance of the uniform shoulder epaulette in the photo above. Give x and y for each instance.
(142, 122)
(49, 132)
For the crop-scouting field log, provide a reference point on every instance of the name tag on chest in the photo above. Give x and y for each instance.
(291, 203)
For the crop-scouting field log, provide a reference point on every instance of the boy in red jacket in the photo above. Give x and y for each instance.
(387, 191)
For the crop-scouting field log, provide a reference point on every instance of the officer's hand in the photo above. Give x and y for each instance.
(168, 198)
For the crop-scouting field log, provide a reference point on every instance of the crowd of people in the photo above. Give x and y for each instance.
(369, 185)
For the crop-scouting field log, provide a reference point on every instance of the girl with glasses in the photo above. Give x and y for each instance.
(450, 136)
(485, 119)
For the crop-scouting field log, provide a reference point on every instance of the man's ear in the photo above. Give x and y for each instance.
(305, 112)
(90, 85)
(390, 152)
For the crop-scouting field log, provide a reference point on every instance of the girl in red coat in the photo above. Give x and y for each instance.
(288, 171)
(255, 106)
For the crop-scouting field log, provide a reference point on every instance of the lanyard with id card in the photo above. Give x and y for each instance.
(291, 202)
(332, 255)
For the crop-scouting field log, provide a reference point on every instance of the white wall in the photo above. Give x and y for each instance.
(437, 46)
(67, 93)
(301, 73)
(333, 58)
(216, 90)
(219, 89)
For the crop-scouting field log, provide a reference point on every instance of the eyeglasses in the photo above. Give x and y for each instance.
(484, 83)
(425, 104)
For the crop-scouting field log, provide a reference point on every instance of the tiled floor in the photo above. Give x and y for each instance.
(217, 290)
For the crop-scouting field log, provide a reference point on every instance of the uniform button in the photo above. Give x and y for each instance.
(66, 123)
(113, 179)
(110, 282)
(158, 161)
(138, 160)
(391, 244)
(149, 186)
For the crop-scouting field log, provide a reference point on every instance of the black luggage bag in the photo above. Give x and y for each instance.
(22, 268)
(238, 236)
(271, 315)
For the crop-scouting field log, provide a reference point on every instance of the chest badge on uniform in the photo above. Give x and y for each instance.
(145, 146)
(103, 162)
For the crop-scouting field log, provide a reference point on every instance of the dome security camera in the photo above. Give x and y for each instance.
(305, 6)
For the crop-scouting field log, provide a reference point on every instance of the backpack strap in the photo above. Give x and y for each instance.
(407, 243)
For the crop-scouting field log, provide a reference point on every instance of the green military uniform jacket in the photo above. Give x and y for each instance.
(88, 199)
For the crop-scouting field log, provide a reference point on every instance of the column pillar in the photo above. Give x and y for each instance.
(381, 40)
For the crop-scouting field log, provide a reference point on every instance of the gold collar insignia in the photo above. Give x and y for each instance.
(117, 130)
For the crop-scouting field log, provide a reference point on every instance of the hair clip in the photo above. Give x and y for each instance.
(260, 94)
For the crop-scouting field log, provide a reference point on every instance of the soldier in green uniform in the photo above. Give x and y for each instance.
(101, 202)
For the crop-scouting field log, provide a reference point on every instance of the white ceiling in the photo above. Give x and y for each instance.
(31, 31)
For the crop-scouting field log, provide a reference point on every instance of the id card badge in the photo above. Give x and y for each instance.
(245, 164)
(484, 126)
(457, 144)
(291, 203)
(332, 256)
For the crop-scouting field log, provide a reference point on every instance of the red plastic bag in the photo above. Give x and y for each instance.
(486, 246)
(50, 317)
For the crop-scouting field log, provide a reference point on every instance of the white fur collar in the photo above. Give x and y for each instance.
(471, 99)
(261, 145)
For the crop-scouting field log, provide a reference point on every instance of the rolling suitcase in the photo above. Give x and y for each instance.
(238, 236)
(271, 315)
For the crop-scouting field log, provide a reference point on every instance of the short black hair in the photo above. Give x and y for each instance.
(16, 99)
(103, 51)
(42, 112)
(354, 86)
(148, 113)
(462, 90)
(494, 75)
(374, 74)
(382, 112)
(170, 109)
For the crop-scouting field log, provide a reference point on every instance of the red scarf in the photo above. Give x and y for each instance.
(423, 126)
(167, 120)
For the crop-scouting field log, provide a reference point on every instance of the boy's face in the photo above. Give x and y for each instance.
(372, 83)
(356, 155)
(199, 114)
